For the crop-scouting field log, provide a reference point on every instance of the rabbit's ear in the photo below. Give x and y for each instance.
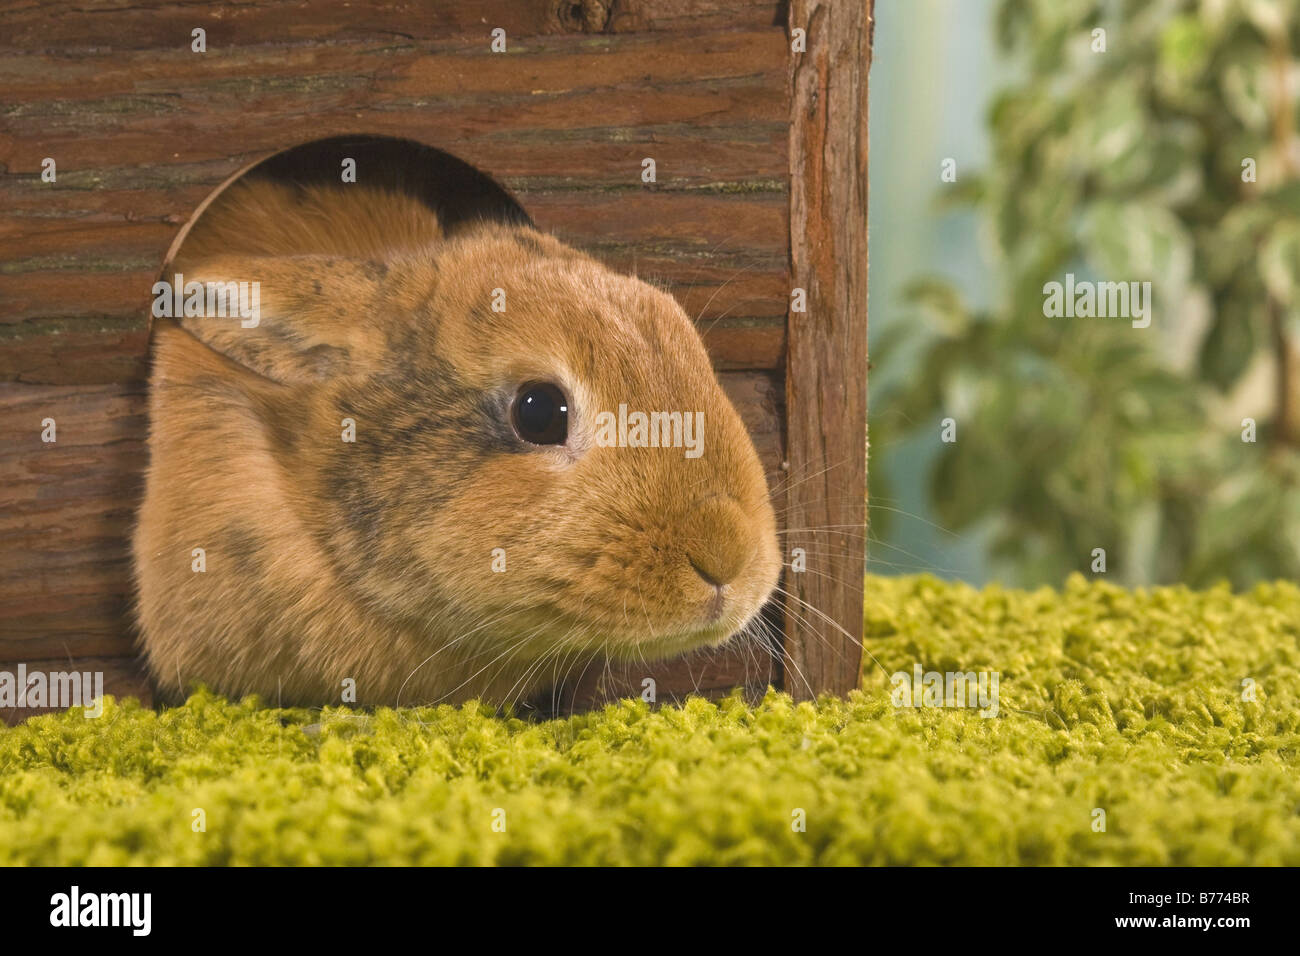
(293, 320)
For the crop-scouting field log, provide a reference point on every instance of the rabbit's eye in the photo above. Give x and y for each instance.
(541, 414)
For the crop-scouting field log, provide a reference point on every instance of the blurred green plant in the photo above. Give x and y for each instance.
(1129, 164)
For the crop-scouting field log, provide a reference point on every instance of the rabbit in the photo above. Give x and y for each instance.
(394, 480)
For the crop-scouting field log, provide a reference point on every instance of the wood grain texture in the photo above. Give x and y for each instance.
(143, 130)
(826, 358)
(66, 512)
(122, 677)
(144, 24)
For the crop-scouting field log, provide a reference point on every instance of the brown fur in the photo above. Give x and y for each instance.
(371, 560)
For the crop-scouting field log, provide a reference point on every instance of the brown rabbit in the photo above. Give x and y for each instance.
(480, 530)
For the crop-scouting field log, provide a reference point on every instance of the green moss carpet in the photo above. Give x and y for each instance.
(1149, 727)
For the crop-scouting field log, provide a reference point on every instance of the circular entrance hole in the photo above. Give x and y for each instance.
(451, 187)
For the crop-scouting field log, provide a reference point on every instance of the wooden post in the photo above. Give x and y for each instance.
(826, 359)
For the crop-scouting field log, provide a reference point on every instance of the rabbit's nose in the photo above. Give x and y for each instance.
(718, 540)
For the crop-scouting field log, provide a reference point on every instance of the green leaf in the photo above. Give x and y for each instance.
(1279, 261)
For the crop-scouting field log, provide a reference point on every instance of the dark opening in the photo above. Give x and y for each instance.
(454, 189)
(451, 187)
